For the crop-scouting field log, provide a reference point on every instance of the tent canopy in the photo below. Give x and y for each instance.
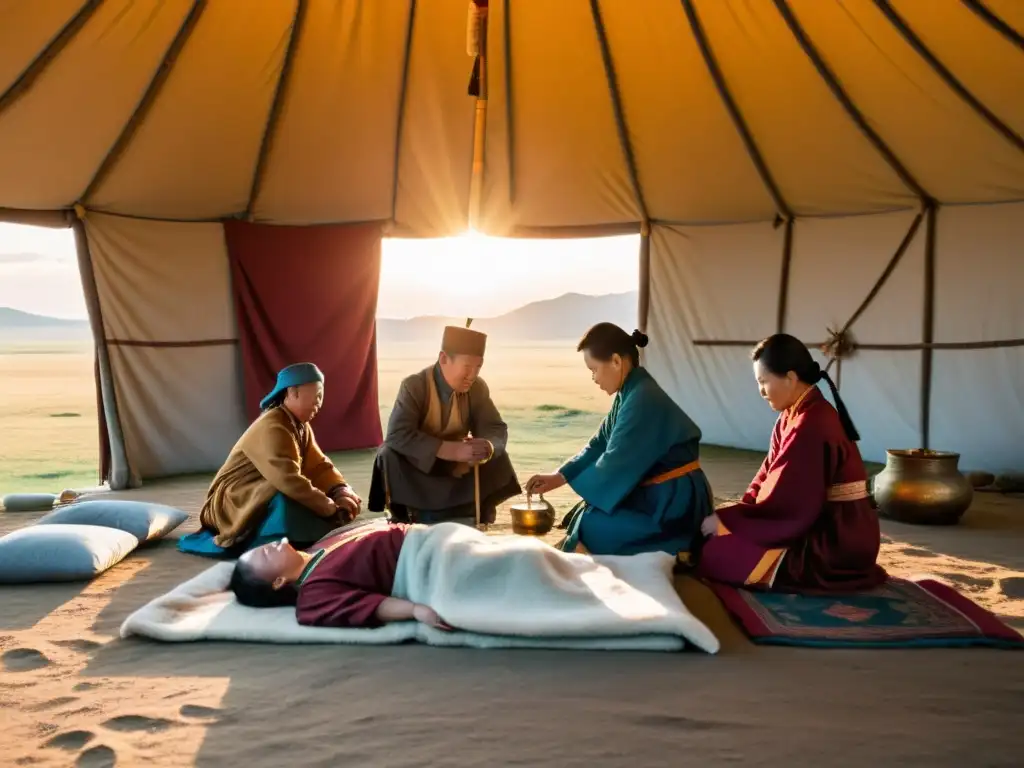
(599, 113)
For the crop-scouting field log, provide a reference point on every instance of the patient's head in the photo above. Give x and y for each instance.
(265, 577)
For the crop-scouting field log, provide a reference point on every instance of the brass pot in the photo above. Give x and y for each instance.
(533, 518)
(923, 487)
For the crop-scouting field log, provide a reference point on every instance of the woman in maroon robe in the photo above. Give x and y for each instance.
(805, 522)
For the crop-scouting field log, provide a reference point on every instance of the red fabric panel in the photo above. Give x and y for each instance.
(309, 294)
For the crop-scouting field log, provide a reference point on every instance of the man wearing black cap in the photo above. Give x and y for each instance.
(444, 428)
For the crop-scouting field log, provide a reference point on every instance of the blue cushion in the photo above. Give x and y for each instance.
(40, 553)
(28, 502)
(144, 520)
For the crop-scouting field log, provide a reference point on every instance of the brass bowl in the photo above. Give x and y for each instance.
(534, 518)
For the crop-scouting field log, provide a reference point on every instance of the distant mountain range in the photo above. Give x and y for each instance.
(566, 317)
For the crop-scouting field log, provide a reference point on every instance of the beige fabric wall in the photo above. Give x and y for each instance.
(978, 396)
(722, 283)
(714, 283)
(162, 287)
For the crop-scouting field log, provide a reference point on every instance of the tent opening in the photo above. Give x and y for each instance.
(534, 298)
(49, 422)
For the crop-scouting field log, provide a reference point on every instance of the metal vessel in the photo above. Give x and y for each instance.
(923, 487)
(534, 518)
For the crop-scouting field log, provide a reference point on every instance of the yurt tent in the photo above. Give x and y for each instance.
(849, 171)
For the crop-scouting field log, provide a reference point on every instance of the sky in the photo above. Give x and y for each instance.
(471, 275)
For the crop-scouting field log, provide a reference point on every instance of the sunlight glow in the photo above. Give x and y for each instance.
(482, 276)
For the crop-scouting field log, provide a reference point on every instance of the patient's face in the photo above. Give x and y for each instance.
(277, 562)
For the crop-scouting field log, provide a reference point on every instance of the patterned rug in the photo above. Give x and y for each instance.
(921, 613)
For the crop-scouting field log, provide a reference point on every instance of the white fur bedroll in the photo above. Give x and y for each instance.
(501, 592)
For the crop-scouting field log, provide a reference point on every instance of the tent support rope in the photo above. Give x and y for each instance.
(993, 19)
(39, 64)
(644, 293)
(700, 36)
(928, 326)
(826, 74)
(400, 121)
(787, 260)
(149, 97)
(118, 471)
(922, 50)
(274, 113)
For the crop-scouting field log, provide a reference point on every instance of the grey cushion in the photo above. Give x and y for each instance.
(28, 502)
(144, 520)
(61, 552)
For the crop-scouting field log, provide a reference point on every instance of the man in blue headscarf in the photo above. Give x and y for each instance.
(276, 481)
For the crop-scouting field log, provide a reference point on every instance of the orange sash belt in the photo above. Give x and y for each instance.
(672, 474)
(853, 491)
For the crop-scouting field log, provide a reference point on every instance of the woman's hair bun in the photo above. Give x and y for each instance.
(815, 372)
(639, 338)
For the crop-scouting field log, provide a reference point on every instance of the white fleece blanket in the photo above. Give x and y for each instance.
(500, 592)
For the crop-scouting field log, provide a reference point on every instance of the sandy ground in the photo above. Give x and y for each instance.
(71, 693)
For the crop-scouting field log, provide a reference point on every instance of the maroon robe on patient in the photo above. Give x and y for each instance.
(349, 576)
(805, 522)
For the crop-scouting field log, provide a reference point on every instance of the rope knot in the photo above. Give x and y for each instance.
(840, 345)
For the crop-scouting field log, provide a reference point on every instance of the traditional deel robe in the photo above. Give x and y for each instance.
(407, 475)
(277, 454)
(639, 477)
(349, 575)
(806, 521)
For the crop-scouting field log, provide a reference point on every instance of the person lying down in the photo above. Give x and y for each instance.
(449, 576)
(344, 580)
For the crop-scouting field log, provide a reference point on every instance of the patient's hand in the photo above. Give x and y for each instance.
(424, 614)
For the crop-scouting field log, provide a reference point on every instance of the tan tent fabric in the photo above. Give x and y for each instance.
(978, 396)
(695, 295)
(165, 300)
(164, 108)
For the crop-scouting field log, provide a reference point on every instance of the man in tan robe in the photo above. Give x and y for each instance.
(276, 477)
(443, 424)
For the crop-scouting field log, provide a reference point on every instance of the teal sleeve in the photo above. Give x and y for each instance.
(637, 439)
(593, 449)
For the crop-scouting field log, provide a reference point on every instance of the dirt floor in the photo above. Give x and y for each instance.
(72, 693)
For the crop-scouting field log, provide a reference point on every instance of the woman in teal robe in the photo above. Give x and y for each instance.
(639, 477)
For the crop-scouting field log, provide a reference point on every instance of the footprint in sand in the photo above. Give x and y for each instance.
(1012, 586)
(71, 741)
(52, 704)
(194, 710)
(133, 723)
(84, 646)
(914, 552)
(24, 660)
(97, 757)
(968, 581)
